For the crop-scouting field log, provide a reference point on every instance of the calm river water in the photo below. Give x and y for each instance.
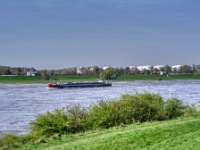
(21, 103)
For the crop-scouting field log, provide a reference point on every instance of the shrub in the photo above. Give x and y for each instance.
(55, 122)
(191, 111)
(144, 107)
(77, 119)
(128, 109)
(9, 141)
(105, 114)
(62, 121)
(174, 108)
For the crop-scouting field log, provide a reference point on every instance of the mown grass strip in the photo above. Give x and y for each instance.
(174, 134)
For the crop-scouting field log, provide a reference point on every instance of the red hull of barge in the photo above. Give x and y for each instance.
(52, 85)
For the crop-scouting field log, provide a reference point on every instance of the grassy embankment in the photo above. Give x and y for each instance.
(65, 78)
(183, 133)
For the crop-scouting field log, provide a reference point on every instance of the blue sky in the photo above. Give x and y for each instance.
(66, 33)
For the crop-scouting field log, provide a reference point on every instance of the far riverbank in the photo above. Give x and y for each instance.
(78, 78)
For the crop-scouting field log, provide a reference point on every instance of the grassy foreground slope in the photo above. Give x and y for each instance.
(182, 133)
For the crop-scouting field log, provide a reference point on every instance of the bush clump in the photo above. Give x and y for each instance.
(191, 111)
(130, 108)
(9, 141)
(61, 121)
(174, 108)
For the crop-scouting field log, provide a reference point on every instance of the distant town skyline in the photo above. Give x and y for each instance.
(51, 34)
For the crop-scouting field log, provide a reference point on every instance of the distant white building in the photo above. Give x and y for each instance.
(80, 70)
(144, 68)
(106, 67)
(91, 69)
(132, 69)
(32, 73)
(176, 67)
(158, 67)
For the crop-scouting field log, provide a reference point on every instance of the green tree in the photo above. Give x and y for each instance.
(7, 72)
(167, 69)
(45, 75)
(186, 69)
(108, 74)
(18, 71)
(96, 70)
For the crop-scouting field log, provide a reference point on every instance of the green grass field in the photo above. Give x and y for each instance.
(69, 78)
(182, 133)
(157, 77)
(21, 79)
(40, 79)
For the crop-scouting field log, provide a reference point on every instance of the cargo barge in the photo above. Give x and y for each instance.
(79, 84)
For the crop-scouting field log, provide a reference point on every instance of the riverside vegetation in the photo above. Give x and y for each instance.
(112, 77)
(18, 75)
(73, 126)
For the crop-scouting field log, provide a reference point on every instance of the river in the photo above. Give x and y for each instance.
(21, 103)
